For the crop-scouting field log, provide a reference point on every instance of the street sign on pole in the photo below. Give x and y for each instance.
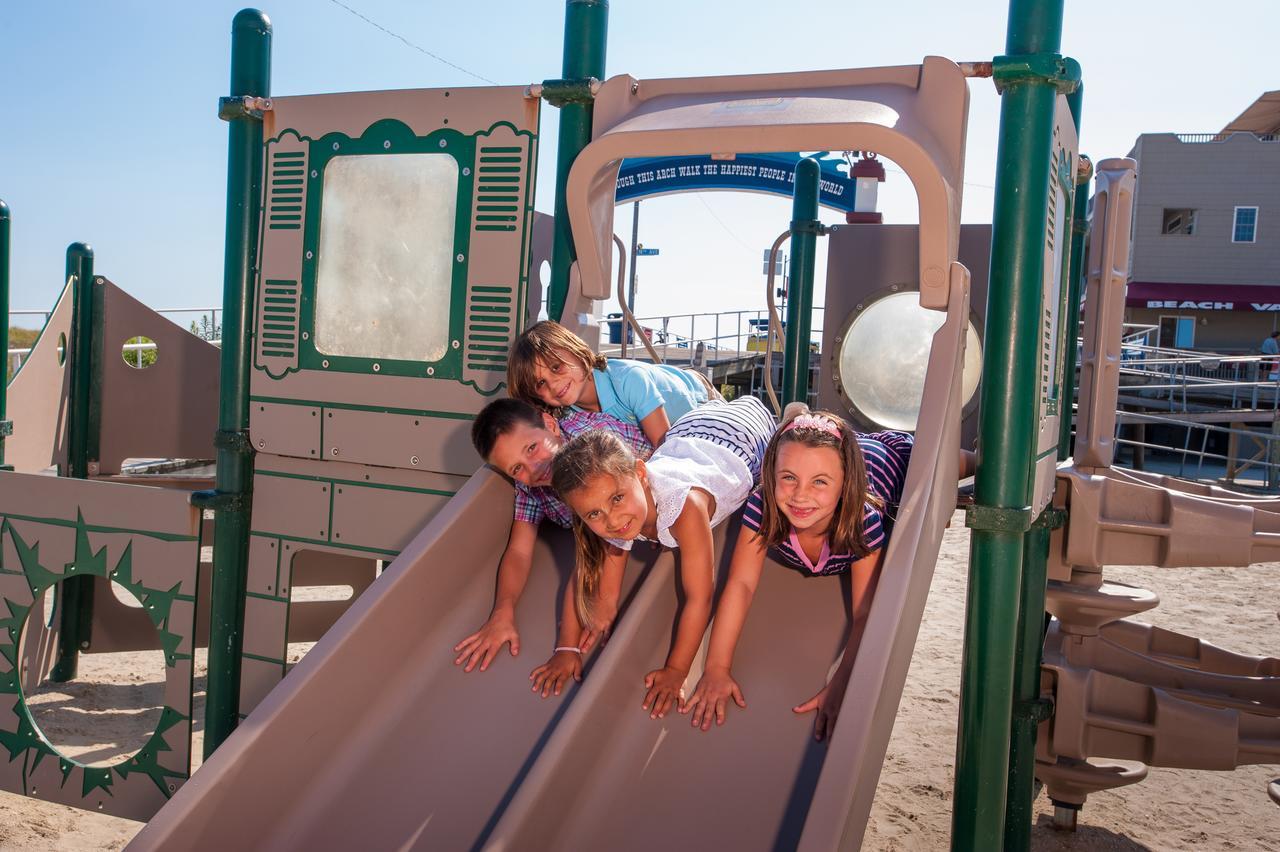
(646, 252)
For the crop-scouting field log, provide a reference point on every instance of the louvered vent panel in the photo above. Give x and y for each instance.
(285, 195)
(500, 175)
(278, 322)
(490, 320)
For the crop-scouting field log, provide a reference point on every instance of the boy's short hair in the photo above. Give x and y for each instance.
(497, 419)
(549, 342)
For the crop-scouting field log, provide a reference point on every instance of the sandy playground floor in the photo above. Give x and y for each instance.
(1171, 810)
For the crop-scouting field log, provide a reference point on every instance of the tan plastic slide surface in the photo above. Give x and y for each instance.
(376, 741)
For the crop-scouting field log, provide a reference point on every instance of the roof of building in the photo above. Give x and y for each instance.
(1262, 116)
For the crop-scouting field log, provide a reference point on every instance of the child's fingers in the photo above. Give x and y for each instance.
(807, 707)
(738, 698)
(515, 646)
(485, 659)
(720, 711)
(468, 641)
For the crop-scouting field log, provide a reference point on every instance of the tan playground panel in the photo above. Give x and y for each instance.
(147, 540)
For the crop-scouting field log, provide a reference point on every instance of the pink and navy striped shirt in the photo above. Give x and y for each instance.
(886, 455)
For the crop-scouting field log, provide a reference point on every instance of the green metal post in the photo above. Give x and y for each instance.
(76, 593)
(804, 244)
(1002, 490)
(586, 31)
(250, 76)
(1027, 709)
(6, 428)
(1079, 228)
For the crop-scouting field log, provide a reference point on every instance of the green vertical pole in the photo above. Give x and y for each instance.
(1002, 491)
(804, 244)
(6, 428)
(1028, 710)
(231, 500)
(76, 593)
(586, 30)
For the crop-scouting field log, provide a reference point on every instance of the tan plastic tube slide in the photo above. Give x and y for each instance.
(376, 740)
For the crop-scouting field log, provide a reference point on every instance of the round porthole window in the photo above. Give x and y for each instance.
(883, 355)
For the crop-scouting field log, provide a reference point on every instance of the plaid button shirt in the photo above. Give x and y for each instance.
(534, 504)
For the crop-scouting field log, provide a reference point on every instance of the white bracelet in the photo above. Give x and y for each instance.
(567, 648)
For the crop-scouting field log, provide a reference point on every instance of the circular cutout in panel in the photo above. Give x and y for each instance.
(140, 352)
(112, 708)
(62, 349)
(883, 356)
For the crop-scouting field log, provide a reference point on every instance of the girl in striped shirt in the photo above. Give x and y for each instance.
(826, 505)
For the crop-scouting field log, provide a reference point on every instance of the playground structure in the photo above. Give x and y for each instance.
(340, 449)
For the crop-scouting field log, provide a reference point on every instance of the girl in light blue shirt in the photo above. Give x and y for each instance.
(552, 366)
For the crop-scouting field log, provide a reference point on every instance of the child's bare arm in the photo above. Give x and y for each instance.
(864, 575)
(692, 531)
(566, 660)
(655, 425)
(968, 463)
(481, 647)
(605, 607)
(711, 696)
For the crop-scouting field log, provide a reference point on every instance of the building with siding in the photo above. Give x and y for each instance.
(1205, 263)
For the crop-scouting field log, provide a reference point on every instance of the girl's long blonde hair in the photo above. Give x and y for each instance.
(549, 343)
(845, 534)
(583, 458)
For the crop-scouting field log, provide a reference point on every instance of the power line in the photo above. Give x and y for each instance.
(418, 48)
(698, 195)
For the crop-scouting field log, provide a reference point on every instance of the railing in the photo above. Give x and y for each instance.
(1178, 375)
(719, 333)
(1199, 138)
(1265, 446)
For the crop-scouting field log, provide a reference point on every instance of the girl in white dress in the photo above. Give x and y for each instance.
(703, 473)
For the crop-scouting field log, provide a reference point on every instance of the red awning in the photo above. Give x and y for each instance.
(1203, 297)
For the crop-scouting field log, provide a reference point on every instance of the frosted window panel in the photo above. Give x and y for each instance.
(884, 356)
(384, 274)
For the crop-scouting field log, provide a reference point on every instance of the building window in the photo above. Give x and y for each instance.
(1245, 228)
(1178, 221)
(1177, 332)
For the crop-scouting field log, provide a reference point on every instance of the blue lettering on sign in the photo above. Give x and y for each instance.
(771, 173)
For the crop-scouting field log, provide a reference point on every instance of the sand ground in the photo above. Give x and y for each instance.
(1171, 810)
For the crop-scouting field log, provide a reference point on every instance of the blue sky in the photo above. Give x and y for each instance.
(110, 133)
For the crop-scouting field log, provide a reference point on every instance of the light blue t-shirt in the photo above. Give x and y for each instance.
(632, 390)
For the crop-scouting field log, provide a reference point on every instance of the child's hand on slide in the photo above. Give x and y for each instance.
(554, 674)
(827, 702)
(482, 646)
(663, 690)
(711, 697)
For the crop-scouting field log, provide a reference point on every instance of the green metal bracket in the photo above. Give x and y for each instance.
(561, 92)
(809, 226)
(6, 428)
(233, 108)
(1061, 72)
(997, 518)
(1051, 519)
(1035, 711)
(234, 440)
(231, 501)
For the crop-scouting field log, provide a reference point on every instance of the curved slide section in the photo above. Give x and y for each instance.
(376, 741)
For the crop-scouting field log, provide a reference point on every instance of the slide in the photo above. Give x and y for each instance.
(377, 741)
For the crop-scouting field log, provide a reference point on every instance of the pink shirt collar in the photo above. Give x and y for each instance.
(822, 557)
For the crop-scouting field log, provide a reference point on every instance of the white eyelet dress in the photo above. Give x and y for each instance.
(718, 447)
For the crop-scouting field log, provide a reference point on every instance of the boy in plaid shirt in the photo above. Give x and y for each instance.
(519, 441)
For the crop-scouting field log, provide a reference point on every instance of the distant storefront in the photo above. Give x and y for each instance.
(1220, 317)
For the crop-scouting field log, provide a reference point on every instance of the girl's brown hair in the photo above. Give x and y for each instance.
(583, 458)
(844, 535)
(549, 343)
